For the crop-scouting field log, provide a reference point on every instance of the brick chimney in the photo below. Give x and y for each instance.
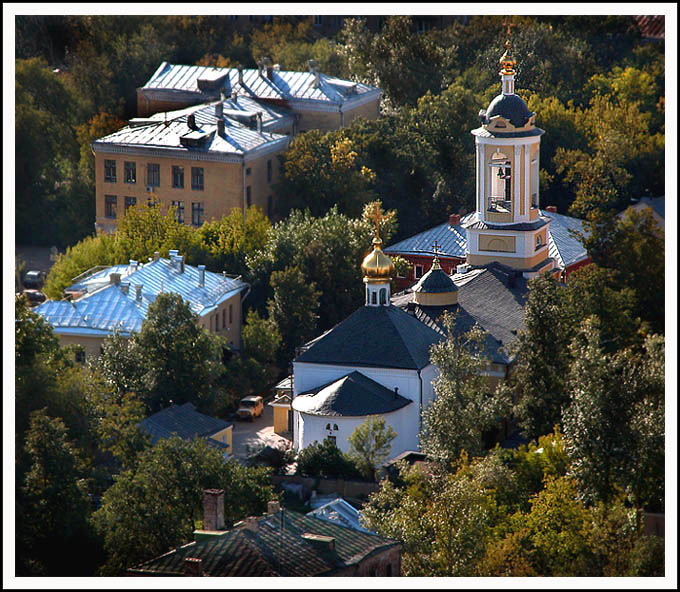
(191, 121)
(138, 292)
(552, 209)
(259, 122)
(273, 507)
(115, 279)
(193, 567)
(201, 275)
(219, 109)
(454, 219)
(213, 509)
(156, 255)
(239, 68)
(220, 128)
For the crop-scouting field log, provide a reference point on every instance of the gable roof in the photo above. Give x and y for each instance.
(106, 307)
(339, 511)
(183, 421)
(374, 336)
(275, 547)
(352, 395)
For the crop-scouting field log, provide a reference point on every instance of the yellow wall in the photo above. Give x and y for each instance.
(223, 185)
(367, 111)
(225, 436)
(91, 345)
(515, 262)
(281, 419)
(491, 242)
(321, 120)
(436, 299)
(232, 331)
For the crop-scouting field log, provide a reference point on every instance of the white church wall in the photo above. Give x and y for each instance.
(313, 428)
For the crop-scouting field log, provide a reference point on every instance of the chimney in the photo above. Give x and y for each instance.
(396, 392)
(273, 507)
(454, 219)
(552, 209)
(462, 268)
(314, 70)
(234, 96)
(219, 109)
(239, 68)
(173, 253)
(193, 567)
(201, 275)
(268, 67)
(133, 265)
(125, 287)
(250, 523)
(115, 278)
(220, 128)
(191, 121)
(180, 263)
(411, 307)
(259, 122)
(138, 292)
(156, 255)
(213, 509)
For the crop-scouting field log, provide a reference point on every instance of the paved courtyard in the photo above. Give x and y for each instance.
(258, 432)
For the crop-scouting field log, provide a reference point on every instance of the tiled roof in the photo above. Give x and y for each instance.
(182, 421)
(374, 336)
(563, 245)
(352, 395)
(284, 86)
(275, 548)
(493, 297)
(108, 308)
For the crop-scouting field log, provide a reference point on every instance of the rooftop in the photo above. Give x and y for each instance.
(182, 421)
(283, 85)
(282, 544)
(108, 307)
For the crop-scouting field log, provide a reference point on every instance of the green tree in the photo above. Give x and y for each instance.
(52, 505)
(293, 308)
(182, 361)
(156, 506)
(324, 459)
(463, 407)
(370, 445)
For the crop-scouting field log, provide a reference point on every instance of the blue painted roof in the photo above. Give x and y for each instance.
(563, 246)
(108, 308)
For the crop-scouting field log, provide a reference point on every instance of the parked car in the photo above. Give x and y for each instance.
(34, 297)
(250, 407)
(34, 279)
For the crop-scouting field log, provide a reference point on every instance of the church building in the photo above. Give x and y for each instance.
(377, 361)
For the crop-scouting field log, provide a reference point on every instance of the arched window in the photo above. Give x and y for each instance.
(374, 298)
(328, 426)
(383, 295)
(500, 197)
(335, 426)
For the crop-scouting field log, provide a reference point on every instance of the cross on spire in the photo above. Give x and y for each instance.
(435, 261)
(377, 215)
(436, 248)
(508, 32)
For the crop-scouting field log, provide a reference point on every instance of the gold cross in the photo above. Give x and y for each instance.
(509, 32)
(436, 248)
(377, 216)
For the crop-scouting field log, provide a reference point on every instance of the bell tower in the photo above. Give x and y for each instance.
(377, 267)
(507, 226)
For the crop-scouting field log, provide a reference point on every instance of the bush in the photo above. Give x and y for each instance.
(326, 460)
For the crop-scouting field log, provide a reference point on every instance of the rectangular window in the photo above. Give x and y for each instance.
(179, 212)
(419, 271)
(197, 178)
(80, 356)
(129, 202)
(248, 199)
(178, 177)
(110, 171)
(110, 206)
(153, 174)
(231, 310)
(197, 213)
(270, 206)
(248, 172)
(224, 318)
(130, 172)
(269, 171)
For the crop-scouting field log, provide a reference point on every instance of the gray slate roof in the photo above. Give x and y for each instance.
(374, 336)
(182, 421)
(485, 299)
(275, 548)
(435, 281)
(353, 395)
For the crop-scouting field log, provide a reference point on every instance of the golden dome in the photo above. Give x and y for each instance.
(376, 266)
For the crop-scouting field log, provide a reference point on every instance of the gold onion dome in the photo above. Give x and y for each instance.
(376, 266)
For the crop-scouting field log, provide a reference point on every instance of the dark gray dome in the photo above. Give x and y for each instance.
(435, 281)
(510, 107)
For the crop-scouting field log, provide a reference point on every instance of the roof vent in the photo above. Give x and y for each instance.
(552, 209)
(273, 507)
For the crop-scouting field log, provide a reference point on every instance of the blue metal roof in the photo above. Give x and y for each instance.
(109, 308)
(563, 246)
